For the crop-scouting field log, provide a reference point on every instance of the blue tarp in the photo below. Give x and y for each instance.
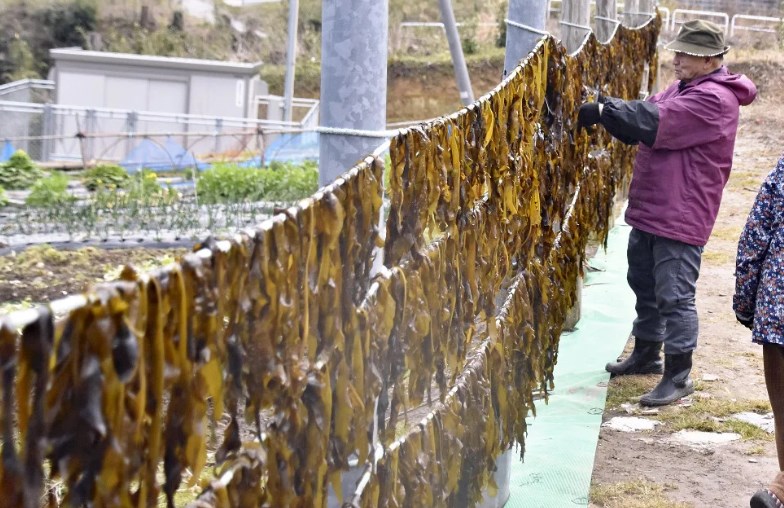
(296, 148)
(7, 151)
(169, 155)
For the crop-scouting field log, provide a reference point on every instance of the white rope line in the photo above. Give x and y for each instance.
(611, 20)
(575, 25)
(357, 132)
(632, 13)
(526, 27)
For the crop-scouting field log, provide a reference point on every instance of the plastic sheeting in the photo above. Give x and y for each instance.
(7, 151)
(562, 439)
(295, 148)
(166, 156)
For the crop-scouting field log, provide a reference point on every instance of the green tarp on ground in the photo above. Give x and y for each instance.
(562, 439)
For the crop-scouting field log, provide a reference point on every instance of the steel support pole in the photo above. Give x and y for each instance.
(456, 49)
(632, 9)
(291, 59)
(606, 11)
(353, 82)
(575, 23)
(526, 21)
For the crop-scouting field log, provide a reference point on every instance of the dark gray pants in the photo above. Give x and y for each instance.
(663, 275)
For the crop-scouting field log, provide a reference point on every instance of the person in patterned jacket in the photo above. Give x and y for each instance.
(759, 305)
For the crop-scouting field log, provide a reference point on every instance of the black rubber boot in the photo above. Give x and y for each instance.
(645, 359)
(675, 382)
(765, 499)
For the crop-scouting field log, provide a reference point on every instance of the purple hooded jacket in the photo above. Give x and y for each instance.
(678, 179)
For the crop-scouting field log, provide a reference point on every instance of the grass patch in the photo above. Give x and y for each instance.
(714, 415)
(745, 180)
(729, 233)
(715, 257)
(633, 494)
(624, 389)
(756, 450)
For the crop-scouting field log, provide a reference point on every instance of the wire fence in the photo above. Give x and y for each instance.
(135, 139)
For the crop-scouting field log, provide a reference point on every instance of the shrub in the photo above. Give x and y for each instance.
(19, 172)
(50, 191)
(288, 182)
(105, 175)
(3, 197)
(228, 183)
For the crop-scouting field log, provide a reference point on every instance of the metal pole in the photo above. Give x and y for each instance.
(456, 49)
(575, 23)
(606, 10)
(353, 82)
(291, 59)
(632, 7)
(648, 8)
(526, 20)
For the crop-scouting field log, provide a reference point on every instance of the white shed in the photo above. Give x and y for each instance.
(95, 79)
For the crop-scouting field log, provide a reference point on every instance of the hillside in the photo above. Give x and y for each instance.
(29, 28)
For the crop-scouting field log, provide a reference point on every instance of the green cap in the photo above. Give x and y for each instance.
(699, 38)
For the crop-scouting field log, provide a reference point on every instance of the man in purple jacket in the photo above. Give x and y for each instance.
(687, 136)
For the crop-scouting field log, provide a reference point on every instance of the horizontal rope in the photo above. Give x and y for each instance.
(575, 25)
(651, 14)
(527, 28)
(357, 132)
(611, 20)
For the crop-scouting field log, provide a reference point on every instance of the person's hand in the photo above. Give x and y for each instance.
(589, 114)
(746, 320)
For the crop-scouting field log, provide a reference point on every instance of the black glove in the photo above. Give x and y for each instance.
(746, 320)
(588, 115)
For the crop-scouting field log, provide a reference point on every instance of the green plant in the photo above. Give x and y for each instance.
(225, 183)
(503, 8)
(229, 183)
(289, 182)
(50, 191)
(21, 61)
(19, 172)
(105, 175)
(3, 197)
(468, 41)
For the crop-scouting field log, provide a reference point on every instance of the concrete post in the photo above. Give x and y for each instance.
(48, 131)
(291, 59)
(353, 83)
(90, 127)
(456, 49)
(525, 25)
(606, 19)
(575, 23)
(130, 130)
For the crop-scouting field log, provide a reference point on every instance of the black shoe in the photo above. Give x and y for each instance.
(645, 359)
(765, 499)
(675, 382)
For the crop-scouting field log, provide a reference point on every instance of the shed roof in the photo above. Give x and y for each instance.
(129, 59)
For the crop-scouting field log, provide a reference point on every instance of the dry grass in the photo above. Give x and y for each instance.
(633, 494)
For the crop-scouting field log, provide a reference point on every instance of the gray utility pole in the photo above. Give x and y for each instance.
(606, 19)
(647, 10)
(525, 25)
(575, 23)
(461, 71)
(291, 59)
(352, 112)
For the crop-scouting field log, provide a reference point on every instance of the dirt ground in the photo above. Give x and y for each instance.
(644, 469)
(647, 469)
(43, 274)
